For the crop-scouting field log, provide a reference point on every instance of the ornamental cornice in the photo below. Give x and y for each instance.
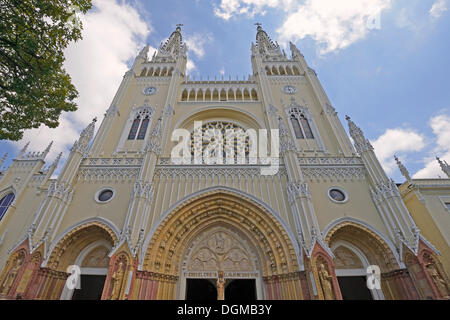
(107, 174)
(207, 170)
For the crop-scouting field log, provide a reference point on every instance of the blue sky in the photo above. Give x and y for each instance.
(391, 78)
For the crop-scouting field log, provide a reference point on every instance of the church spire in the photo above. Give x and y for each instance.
(266, 47)
(170, 50)
(444, 166)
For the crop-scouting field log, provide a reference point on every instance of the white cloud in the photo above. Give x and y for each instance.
(230, 8)
(396, 141)
(190, 66)
(333, 24)
(113, 33)
(196, 43)
(441, 128)
(438, 8)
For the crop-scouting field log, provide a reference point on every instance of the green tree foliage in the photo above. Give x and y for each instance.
(34, 86)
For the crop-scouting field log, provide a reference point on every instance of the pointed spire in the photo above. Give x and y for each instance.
(85, 137)
(444, 166)
(294, 51)
(403, 169)
(171, 49)
(47, 150)
(361, 143)
(56, 161)
(24, 149)
(266, 47)
(2, 160)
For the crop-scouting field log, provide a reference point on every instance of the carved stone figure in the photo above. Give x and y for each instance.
(11, 276)
(326, 282)
(220, 287)
(440, 283)
(117, 281)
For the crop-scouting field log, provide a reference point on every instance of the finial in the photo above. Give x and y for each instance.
(444, 166)
(24, 149)
(403, 169)
(2, 160)
(179, 25)
(94, 120)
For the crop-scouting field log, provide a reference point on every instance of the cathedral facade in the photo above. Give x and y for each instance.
(125, 220)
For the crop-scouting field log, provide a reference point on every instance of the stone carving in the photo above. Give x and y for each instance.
(117, 281)
(438, 280)
(220, 287)
(220, 251)
(346, 259)
(97, 258)
(326, 282)
(12, 274)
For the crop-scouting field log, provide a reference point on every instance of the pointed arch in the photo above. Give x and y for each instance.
(223, 95)
(170, 72)
(378, 249)
(200, 95)
(274, 71)
(220, 206)
(68, 245)
(254, 95)
(184, 95)
(191, 95)
(295, 71)
(208, 96)
(143, 72)
(215, 96)
(289, 71)
(164, 72)
(282, 71)
(268, 72)
(150, 72)
(231, 95)
(157, 72)
(239, 95)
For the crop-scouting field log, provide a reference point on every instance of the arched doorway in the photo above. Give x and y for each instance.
(224, 257)
(87, 247)
(356, 248)
(223, 237)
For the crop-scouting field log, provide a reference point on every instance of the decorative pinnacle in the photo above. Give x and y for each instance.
(403, 169)
(2, 160)
(444, 166)
(24, 149)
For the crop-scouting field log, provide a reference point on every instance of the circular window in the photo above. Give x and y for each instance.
(104, 195)
(337, 195)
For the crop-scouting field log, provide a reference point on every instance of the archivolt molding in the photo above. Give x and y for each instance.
(75, 240)
(169, 241)
(377, 249)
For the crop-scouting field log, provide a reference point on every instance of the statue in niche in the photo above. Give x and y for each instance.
(11, 276)
(326, 282)
(439, 282)
(117, 281)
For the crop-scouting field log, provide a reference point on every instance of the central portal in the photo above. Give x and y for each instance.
(220, 265)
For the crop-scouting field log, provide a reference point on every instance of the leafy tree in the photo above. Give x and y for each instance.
(34, 86)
